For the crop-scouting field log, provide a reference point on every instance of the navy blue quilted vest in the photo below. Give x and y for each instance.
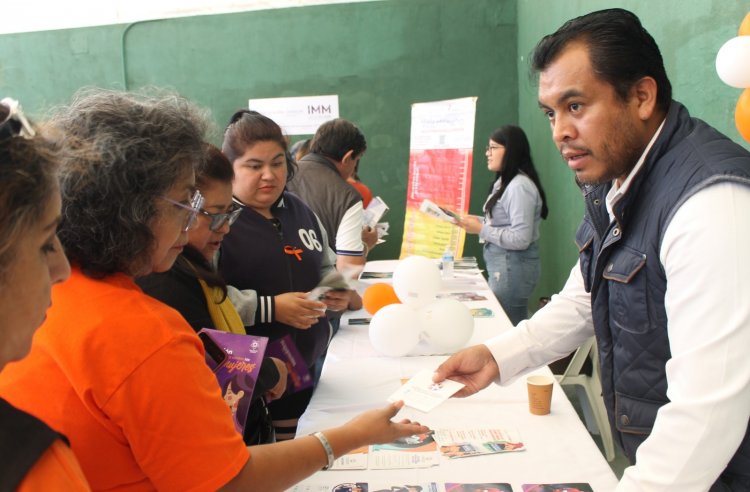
(621, 269)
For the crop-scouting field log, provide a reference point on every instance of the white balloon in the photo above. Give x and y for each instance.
(394, 330)
(417, 280)
(733, 62)
(446, 324)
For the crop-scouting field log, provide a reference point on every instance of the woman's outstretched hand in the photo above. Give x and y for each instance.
(376, 426)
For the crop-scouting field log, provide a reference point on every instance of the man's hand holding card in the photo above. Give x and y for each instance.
(421, 393)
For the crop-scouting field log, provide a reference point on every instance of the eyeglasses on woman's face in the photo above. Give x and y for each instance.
(191, 211)
(491, 148)
(218, 220)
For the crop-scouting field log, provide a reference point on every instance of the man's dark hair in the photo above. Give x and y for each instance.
(335, 138)
(621, 51)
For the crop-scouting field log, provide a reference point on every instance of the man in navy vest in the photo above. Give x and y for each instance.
(663, 277)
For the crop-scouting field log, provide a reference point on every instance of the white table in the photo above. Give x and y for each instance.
(355, 378)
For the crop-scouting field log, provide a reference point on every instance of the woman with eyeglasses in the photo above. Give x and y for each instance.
(194, 288)
(509, 229)
(193, 279)
(36, 457)
(121, 374)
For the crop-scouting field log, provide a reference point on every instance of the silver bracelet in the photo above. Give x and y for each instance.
(327, 446)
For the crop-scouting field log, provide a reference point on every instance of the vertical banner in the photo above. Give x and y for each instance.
(440, 156)
(298, 115)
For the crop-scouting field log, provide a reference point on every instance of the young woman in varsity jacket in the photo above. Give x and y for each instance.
(278, 248)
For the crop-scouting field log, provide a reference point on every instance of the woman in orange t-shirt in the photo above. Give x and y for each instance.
(31, 260)
(121, 374)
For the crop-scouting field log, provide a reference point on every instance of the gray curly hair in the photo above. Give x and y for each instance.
(138, 146)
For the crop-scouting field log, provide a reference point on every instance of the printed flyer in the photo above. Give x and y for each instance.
(235, 360)
(417, 451)
(299, 376)
(462, 443)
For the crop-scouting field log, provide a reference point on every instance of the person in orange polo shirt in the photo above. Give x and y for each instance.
(120, 373)
(32, 455)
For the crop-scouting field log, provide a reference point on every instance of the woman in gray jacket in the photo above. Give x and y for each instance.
(510, 226)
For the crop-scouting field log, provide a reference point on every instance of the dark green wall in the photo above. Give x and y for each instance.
(689, 34)
(379, 57)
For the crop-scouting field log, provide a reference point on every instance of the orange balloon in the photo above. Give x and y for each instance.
(745, 26)
(742, 114)
(379, 295)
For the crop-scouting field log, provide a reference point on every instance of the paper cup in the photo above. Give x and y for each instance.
(540, 394)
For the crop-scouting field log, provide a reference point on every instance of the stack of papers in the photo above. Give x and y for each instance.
(466, 263)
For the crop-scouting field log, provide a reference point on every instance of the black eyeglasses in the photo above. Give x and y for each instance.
(218, 220)
(192, 210)
(15, 123)
(490, 148)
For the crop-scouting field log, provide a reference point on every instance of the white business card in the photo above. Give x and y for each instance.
(424, 395)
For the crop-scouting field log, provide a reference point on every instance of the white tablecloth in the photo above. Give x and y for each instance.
(355, 378)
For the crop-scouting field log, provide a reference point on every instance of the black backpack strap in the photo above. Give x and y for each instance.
(23, 440)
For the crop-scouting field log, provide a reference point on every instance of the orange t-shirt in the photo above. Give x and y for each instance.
(56, 469)
(123, 376)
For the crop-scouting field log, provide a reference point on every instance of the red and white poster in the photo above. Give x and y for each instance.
(440, 156)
